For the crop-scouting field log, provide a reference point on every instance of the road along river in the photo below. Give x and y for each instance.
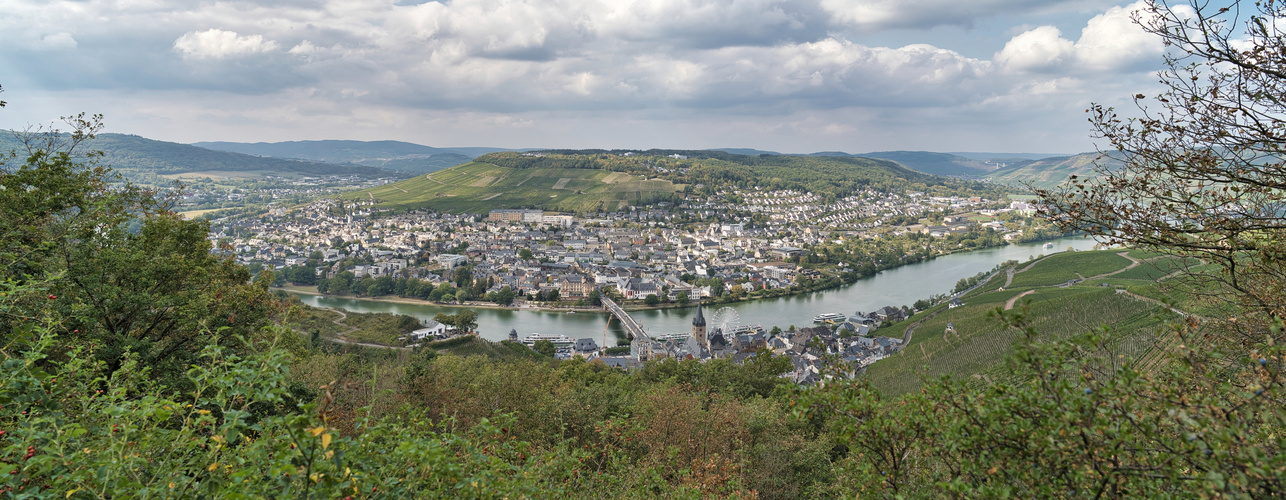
(894, 287)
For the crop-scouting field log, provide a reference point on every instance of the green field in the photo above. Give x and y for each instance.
(980, 343)
(1066, 266)
(1156, 269)
(479, 187)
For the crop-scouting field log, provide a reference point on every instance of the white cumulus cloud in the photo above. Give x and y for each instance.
(1110, 41)
(217, 44)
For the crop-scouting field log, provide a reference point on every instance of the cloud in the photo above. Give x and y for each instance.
(874, 15)
(1110, 42)
(1039, 49)
(759, 63)
(217, 44)
(57, 41)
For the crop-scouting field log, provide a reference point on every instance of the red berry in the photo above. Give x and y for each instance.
(52, 296)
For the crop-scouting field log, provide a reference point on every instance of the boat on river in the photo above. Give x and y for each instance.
(556, 339)
(825, 317)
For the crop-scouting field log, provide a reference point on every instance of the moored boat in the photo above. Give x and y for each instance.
(556, 339)
(824, 317)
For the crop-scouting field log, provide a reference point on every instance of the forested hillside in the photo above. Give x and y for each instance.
(131, 154)
(388, 155)
(935, 163)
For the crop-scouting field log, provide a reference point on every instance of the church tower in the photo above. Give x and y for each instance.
(699, 328)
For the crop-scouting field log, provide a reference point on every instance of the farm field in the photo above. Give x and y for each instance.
(1156, 269)
(478, 187)
(1063, 267)
(980, 342)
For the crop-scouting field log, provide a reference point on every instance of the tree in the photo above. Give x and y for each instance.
(124, 272)
(466, 320)
(524, 254)
(1199, 173)
(683, 298)
(544, 347)
(505, 296)
(463, 276)
(445, 319)
(651, 299)
(716, 287)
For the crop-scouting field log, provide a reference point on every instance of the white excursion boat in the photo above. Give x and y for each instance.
(824, 317)
(556, 339)
(678, 337)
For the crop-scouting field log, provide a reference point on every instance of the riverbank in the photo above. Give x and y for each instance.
(830, 283)
(391, 299)
(902, 285)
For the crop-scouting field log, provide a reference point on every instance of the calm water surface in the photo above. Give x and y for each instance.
(894, 287)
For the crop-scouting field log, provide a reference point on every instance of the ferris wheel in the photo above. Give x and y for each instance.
(725, 321)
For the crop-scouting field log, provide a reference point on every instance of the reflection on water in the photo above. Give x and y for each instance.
(895, 287)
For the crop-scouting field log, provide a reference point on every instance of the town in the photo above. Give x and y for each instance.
(656, 256)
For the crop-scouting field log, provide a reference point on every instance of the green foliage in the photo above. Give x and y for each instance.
(126, 274)
(379, 328)
(238, 433)
(1074, 420)
(544, 347)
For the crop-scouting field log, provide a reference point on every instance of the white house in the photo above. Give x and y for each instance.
(431, 329)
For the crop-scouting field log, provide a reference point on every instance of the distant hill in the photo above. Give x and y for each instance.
(597, 180)
(935, 163)
(132, 154)
(1050, 172)
(994, 156)
(745, 151)
(389, 155)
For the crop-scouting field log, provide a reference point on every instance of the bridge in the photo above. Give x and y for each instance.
(633, 329)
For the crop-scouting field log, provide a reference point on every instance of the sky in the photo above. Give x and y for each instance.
(793, 76)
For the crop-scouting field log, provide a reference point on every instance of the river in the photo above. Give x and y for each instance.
(894, 287)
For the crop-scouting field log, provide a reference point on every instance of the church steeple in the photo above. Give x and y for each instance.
(699, 328)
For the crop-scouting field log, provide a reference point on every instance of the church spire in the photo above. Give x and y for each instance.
(700, 320)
